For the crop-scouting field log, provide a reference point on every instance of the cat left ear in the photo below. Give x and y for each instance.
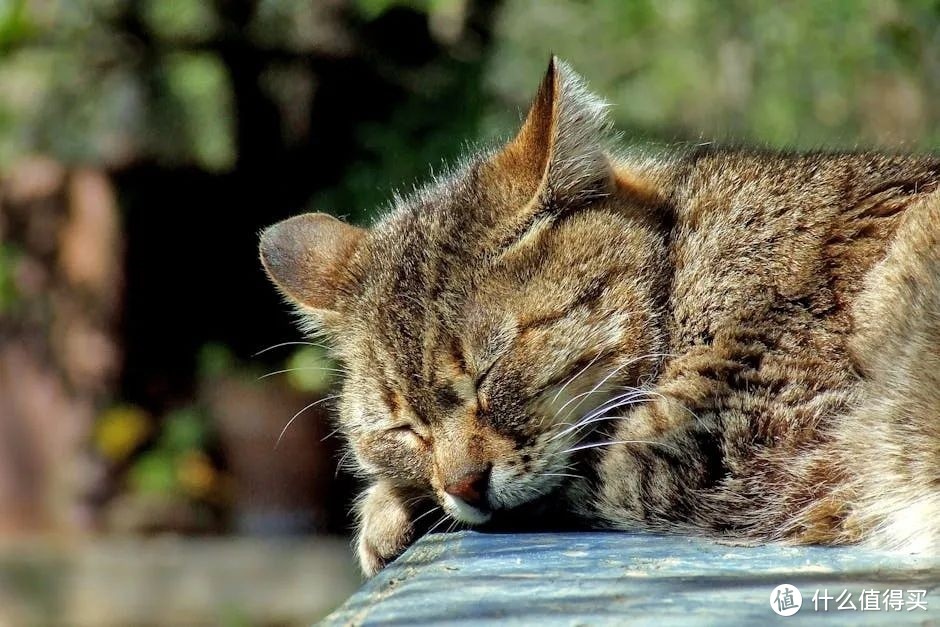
(307, 257)
(558, 155)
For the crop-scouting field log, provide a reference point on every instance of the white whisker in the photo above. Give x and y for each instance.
(271, 348)
(592, 390)
(437, 524)
(339, 464)
(584, 447)
(413, 499)
(433, 509)
(294, 417)
(577, 374)
(560, 474)
(608, 377)
(330, 434)
(600, 414)
(323, 368)
(617, 401)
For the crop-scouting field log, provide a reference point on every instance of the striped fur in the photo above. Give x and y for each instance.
(736, 343)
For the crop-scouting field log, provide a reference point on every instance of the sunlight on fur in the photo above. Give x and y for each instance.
(741, 344)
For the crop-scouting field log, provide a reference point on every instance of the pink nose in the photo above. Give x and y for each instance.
(471, 488)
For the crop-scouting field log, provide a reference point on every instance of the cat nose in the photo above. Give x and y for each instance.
(471, 487)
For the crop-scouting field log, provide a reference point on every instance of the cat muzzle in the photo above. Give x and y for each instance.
(471, 488)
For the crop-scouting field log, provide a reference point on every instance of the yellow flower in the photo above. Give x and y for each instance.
(195, 474)
(120, 430)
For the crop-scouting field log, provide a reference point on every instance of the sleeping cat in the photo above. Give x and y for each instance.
(741, 344)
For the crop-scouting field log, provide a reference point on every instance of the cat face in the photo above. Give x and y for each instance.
(489, 322)
(467, 369)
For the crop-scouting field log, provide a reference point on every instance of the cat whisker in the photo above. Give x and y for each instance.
(602, 418)
(294, 417)
(624, 401)
(685, 409)
(339, 464)
(677, 403)
(634, 396)
(560, 474)
(271, 348)
(430, 511)
(617, 401)
(605, 406)
(592, 390)
(584, 447)
(571, 400)
(330, 434)
(285, 370)
(601, 383)
(597, 419)
(576, 375)
(413, 499)
(437, 524)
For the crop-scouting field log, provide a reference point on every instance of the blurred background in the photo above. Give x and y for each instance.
(148, 369)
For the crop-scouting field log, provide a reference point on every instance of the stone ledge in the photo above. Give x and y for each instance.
(595, 578)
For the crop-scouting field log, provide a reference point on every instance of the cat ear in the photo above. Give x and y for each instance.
(307, 258)
(558, 155)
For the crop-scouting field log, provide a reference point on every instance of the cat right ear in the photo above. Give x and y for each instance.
(558, 156)
(307, 258)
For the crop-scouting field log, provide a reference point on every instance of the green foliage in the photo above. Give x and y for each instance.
(803, 72)
(8, 292)
(798, 73)
(215, 360)
(174, 20)
(425, 135)
(183, 437)
(77, 87)
(15, 24)
(374, 8)
(154, 472)
(197, 109)
(310, 370)
(184, 430)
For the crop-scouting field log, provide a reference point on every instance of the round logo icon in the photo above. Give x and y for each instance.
(786, 600)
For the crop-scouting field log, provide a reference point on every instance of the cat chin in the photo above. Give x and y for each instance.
(463, 512)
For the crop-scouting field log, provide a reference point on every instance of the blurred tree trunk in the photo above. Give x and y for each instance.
(60, 269)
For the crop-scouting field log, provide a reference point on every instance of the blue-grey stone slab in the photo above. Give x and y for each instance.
(599, 578)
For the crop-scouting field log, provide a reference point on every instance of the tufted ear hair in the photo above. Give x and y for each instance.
(558, 157)
(308, 256)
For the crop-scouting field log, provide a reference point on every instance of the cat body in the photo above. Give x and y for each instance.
(725, 342)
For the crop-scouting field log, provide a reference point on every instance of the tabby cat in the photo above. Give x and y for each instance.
(735, 343)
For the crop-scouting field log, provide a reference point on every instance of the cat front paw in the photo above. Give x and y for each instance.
(385, 528)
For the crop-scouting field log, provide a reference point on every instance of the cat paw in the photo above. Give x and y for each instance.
(385, 529)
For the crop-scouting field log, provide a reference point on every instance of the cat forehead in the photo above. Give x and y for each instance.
(445, 207)
(428, 244)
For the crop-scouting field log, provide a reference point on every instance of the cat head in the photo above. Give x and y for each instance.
(487, 321)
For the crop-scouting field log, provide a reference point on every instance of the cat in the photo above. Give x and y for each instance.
(733, 343)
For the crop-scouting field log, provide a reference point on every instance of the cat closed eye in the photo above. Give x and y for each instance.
(405, 430)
